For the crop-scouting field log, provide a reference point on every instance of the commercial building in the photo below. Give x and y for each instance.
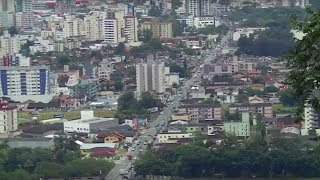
(89, 123)
(238, 128)
(150, 76)
(24, 83)
(172, 136)
(8, 119)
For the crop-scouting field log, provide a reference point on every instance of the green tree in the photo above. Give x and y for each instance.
(270, 89)
(48, 170)
(127, 101)
(13, 30)
(120, 49)
(63, 59)
(289, 97)
(145, 35)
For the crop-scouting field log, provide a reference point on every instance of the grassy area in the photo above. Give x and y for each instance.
(280, 108)
(67, 115)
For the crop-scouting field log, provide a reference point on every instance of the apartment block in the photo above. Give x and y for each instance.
(65, 6)
(8, 44)
(150, 76)
(8, 119)
(265, 109)
(7, 5)
(219, 68)
(16, 60)
(23, 5)
(111, 31)
(311, 120)
(24, 20)
(198, 7)
(7, 19)
(73, 27)
(94, 26)
(17, 82)
(131, 29)
(240, 128)
(202, 112)
(105, 69)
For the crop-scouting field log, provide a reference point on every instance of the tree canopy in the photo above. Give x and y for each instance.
(303, 61)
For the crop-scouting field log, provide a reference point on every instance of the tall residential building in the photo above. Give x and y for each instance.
(24, 20)
(121, 24)
(193, 7)
(65, 6)
(131, 29)
(7, 19)
(24, 5)
(205, 9)
(311, 120)
(111, 31)
(94, 26)
(198, 7)
(7, 5)
(23, 82)
(8, 44)
(15, 60)
(150, 76)
(8, 119)
(73, 27)
(165, 30)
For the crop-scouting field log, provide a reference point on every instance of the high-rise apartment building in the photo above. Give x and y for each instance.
(24, 20)
(198, 7)
(111, 31)
(8, 44)
(131, 29)
(7, 19)
(8, 119)
(7, 5)
(165, 30)
(73, 27)
(24, 6)
(311, 120)
(150, 76)
(24, 81)
(94, 26)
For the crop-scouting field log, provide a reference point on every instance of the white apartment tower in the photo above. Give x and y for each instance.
(111, 31)
(193, 7)
(311, 120)
(8, 44)
(7, 5)
(94, 26)
(72, 27)
(150, 76)
(205, 8)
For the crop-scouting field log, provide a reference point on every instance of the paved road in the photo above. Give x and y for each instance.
(139, 147)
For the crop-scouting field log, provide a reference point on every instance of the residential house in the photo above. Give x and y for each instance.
(104, 153)
(111, 137)
(68, 103)
(105, 68)
(240, 128)
(202, 111)
(265, 109)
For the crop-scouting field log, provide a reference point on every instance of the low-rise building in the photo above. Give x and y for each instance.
(265, 109)
(198, 112)
(88, 122)
(171, 136)
(238, 128)
(219, 68)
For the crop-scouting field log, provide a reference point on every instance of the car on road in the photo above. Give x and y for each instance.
(140, 150)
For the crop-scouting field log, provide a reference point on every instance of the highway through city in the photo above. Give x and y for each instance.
(139, 146)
